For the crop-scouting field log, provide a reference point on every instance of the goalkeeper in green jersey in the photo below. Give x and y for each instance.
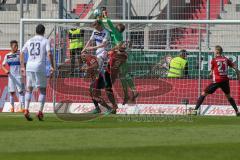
(118, 58)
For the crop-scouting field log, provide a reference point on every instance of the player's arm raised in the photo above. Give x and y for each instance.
(86, 46)
(104, 44)
(88, 43)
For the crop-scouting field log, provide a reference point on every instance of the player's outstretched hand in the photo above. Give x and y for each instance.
(104, 12)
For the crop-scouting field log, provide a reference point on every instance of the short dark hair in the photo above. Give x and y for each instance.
(121, 27)
(40, 29)
(219, 49)
(96, 23)
(183, 52)
(13, 42)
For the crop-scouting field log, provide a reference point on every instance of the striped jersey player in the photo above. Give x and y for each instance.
(100, 37)
(15, 81)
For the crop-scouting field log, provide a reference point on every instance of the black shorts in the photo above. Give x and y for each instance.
(76, 51)
(214, 86)
(103, 81)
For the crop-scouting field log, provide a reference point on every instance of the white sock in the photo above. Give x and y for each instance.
(22, 99)
(11, 99)
(41, 99)
(28, 98)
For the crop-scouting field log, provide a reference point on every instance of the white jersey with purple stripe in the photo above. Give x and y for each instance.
(100, 37)
(13, 61)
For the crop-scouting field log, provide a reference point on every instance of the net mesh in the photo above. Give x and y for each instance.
(153, 47)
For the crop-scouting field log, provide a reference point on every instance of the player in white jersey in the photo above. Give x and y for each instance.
(101, 37)
(12, 59)
(38, 49)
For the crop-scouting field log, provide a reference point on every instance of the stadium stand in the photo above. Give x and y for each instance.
(181, 9)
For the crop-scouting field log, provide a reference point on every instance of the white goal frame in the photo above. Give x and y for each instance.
(25, 21)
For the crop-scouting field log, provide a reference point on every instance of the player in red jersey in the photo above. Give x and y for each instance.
(219, 73)
(98, 82)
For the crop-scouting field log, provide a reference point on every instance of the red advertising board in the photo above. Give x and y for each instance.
(151, 91)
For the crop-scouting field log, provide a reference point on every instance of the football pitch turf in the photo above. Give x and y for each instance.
(116, 138)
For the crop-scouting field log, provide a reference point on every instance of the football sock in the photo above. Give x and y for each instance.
(199, 102)
(96, 104)
(232, 102)
(11, 99)
(41, 99)
(22, 98)
(125, 87)
(28, 98)
(111, 97)
(131, 84)
(103, 103)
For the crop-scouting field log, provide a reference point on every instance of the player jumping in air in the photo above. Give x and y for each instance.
(12, 59)
(97, 82)
(219, 73)
(118, 59)
(101, 37)
(38, 49)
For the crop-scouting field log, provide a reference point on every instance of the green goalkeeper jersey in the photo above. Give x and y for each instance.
(116, 36)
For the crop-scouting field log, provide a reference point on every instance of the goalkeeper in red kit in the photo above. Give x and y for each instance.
(219, 73)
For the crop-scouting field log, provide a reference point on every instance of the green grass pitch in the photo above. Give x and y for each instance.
(213, 138)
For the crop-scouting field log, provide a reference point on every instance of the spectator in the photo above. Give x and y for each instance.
(178, 66)
(76, 37)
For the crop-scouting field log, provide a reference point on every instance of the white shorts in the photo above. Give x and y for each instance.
(36, 79)
(102, 58)
(101, 54)
(15, 82)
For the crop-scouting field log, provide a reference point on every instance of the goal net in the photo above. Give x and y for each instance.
(154, 43)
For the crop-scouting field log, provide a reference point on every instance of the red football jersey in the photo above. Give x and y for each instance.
(90, 60)
(219, 66)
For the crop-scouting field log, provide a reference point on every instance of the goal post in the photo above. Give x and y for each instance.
(154, 44)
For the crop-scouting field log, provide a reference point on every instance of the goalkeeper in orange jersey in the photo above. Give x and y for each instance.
(98, 82)
(118, 58)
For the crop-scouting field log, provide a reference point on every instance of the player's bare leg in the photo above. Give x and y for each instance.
(28, 97)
